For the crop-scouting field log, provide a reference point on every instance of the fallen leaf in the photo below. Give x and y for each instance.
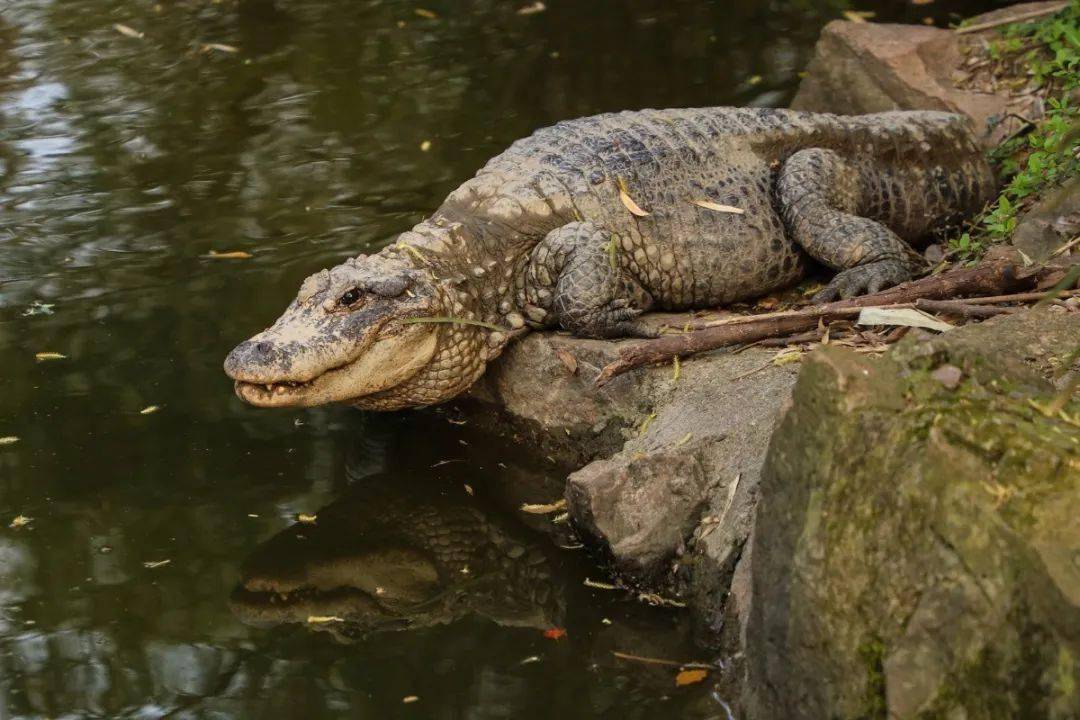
(228, 255)
(221, 47)
(9, 439)
(555, 633)
(425, 146)
(536, 7)
(717, 207)
(567, 359)
(787, 357)
(529, 660)
(43, 356)
(468, 489)
(425, 13)
(151, 564)
(545, 508)
(308, 518)
(19, 521)
(689, 677)
(128, 30)
(858, 16)
(410, 699)
(754, 80)
(676, 369)
(628, 201)
(909, 317)
(319, 619)
(149, 410)
(596, 584)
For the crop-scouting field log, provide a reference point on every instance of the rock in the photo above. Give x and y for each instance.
(871, 67)
(916, 547)
(675, 464)
(1050, 224)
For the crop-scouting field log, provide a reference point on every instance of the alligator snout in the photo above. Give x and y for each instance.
(255, 361)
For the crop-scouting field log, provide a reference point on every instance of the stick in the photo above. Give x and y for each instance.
(661, 661)
(1018, 297)
(1066, 247)
(961, 309)
(1010, 20)
(991, 276)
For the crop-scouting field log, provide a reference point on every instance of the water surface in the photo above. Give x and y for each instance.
(136, 138)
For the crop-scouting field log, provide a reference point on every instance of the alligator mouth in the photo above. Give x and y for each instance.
(283, 393)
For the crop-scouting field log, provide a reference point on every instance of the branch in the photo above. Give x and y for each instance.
(993, 276)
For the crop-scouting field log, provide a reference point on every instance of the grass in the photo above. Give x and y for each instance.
(1047, 53)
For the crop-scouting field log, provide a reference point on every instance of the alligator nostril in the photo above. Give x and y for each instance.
(263, 348)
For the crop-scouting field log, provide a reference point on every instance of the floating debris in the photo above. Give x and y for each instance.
(149, 409)
(39, 308)
(555, 633)
(321, 619)
(308, 518)
(410, 699)
(220, 47)
(530, 660)
(544, 508)
(151, 564)
(596, 584)
(227, 255)
(425, 13)
(690, 677)
(46, 356)
(533, 9)
(128, 31)
(20, 521)
(9, 440)
(425, 146)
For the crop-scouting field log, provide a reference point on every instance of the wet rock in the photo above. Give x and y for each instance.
(669, 495)
(915, 551)
(872, 67)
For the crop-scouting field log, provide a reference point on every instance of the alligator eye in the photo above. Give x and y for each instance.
(349, 298)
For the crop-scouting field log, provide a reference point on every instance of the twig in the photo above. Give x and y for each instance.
(961, 309)
(1021, 17)
(1018, 297)
(1066, 247)
(994, 275)
(661, 661)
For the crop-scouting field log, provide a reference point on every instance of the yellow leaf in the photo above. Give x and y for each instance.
(689, 677)
(19, 521)
(628, 201)
(425, 146)
(9, 440)
(410, 699)
(151, 564)
(425, 13)
(717, 207)
(221, 47)
(544, 509)
(319, 619)
(786, 358)
(308, 518)
(42, 356)
(858, 16)
(230, 255)
(149, 410)
(536, 7)
(127, 30)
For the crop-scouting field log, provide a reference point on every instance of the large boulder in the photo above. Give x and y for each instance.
(861, 67)
(917, 550)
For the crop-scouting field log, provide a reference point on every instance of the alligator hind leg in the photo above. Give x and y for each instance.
(574, 275)
(820, 194)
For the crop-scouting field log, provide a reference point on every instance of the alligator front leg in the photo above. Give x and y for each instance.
(574, 279)
(820, 194)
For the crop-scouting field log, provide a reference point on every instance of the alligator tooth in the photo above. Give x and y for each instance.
(280, 390)
(269, 387)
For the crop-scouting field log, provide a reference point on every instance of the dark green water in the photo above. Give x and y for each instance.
(123, 162)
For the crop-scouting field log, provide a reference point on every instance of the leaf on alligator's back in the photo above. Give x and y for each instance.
(901, 316)
(718, 207)
(689, 677)
(555, 633)
(127, 30)
(627, 201)
(227, 255)
(43, 356)
(544, 508)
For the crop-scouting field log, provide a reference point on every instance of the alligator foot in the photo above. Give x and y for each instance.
(864, 280)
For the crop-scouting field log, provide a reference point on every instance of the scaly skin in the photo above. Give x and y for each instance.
(541, 237)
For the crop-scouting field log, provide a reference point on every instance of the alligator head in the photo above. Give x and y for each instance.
(347, 336)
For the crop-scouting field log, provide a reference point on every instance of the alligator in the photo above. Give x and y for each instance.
(392, 556)
(589, 223)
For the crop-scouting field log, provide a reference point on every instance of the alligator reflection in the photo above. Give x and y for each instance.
(399, 553)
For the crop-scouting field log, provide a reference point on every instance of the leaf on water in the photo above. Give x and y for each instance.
(425, 13)
(39, 308)
(717, 207)
(227, 255)
(689, 677)
(308, 518)
(909, 317)
(9, 439)
(20, 521)
(320, 619)
(536, 7)
(149, 409)
(544, 508)
(410, 699)
(567, 359)
(597, 585)
(43, 356)
(754, 80)
(425, 146)
(858, 16)
(221, 47)
(469, 489)
(530, 660)
(627, 201)
(555, 633)
(128, 30)
(151, 564)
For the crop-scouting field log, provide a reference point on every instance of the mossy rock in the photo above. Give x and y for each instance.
(917, 549)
